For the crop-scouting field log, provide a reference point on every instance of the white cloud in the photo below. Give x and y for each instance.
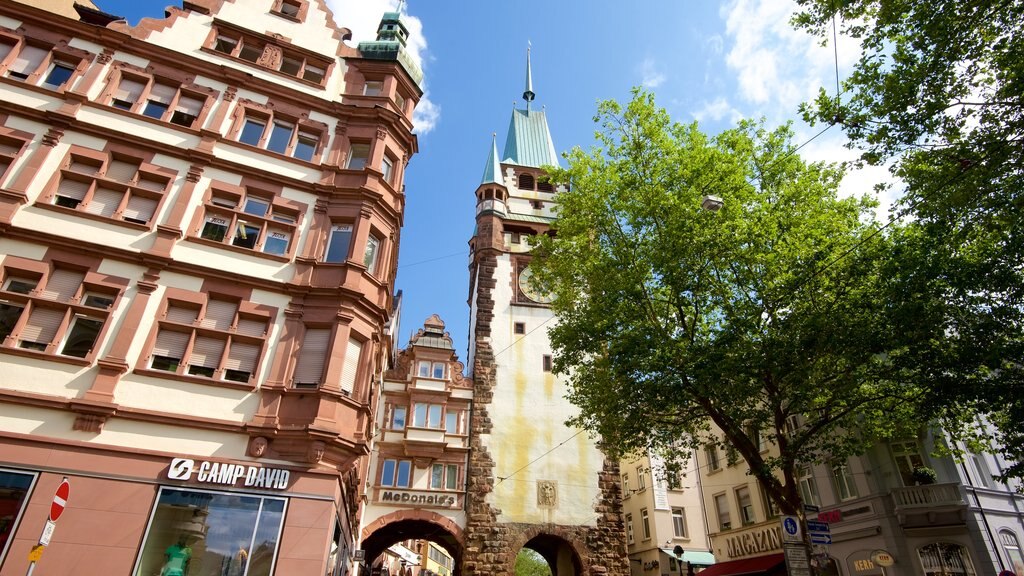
(649, 74)
(777, 66)
(717, 110)
(829, 148)
(362, 18)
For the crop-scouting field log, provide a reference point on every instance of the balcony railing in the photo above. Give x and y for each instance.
(928, 496)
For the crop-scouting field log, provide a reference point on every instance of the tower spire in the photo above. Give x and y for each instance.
(528, 95)
(492, 170)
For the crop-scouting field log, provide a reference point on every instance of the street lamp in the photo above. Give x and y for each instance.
(712, 203)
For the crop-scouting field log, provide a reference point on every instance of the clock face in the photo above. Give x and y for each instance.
(531, 291)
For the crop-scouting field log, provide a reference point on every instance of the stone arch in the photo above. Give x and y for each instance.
(413, 523)
(548, 540)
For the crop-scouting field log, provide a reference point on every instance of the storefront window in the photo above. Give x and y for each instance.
(14, 490)
(197, 533)
(945, 559)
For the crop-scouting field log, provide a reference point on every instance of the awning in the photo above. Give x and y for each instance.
(695, 557)
(756, 565)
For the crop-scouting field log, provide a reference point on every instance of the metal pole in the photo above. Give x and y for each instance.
(31, 567)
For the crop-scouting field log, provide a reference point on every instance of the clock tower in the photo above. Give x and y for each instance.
(533, 482)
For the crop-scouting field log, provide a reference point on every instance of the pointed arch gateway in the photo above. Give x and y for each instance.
(414, 523)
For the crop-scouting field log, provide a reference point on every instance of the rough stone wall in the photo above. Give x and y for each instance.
(491, 547)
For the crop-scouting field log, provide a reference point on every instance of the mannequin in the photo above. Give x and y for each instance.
(178, 556)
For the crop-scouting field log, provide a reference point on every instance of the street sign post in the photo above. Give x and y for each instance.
(791, 529)
(819, 532)
(60, 501)
(798, 562)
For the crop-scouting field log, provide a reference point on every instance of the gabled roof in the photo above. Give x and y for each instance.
(529, 140)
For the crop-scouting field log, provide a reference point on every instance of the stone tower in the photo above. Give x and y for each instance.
(533, 482)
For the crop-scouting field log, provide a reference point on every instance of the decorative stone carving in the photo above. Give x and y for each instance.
(258, 447)
(316, 452)
(271, 57)
(547, 493)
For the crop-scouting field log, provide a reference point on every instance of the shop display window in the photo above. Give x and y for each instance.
(14, 490)
(200, 533)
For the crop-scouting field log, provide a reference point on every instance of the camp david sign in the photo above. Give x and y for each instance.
(228, 474)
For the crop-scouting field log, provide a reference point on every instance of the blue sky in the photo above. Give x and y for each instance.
(710, 61)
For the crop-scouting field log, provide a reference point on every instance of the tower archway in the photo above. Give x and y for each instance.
(413, 524)
(559, 548)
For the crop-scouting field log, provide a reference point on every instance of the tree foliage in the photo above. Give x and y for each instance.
(774, 317)
(530, 563)
(938, 92)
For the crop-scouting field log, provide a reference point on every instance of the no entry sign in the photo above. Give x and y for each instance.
(60, 500)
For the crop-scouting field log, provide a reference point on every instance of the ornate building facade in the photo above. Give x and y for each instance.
(199, 228)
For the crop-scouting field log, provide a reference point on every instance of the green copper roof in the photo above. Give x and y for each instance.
(492, 170)
(390, 45)
(529, 140)
(529, 218)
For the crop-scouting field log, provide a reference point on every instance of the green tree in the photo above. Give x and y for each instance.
(531, 563)
(769, 318)
(938, 94)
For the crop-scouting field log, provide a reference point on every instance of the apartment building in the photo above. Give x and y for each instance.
(199, 226)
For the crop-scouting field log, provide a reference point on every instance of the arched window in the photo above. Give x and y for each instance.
(1012, 548)
(526, 182)
(945, 559)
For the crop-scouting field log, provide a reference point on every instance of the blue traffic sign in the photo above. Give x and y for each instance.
(790, 526)
(817, 527)
(821, 538)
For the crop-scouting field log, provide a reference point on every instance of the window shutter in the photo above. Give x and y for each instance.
(9, 148)
(252, 327)
(206, 352)
(73, 189)
(151, 183)
(243, 357)
(312, 357)
(63, 285)
(28, 60)
(140, 208)
(104, 202)
(182, 314)
(219, 314)
(351, 366)
(171, 344)
(129, 90)
(83, 166)
(122, 171)
(42, 325)
(163, 93)
(189, 105)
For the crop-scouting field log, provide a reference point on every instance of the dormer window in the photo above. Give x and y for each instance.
(272, 54)
(373, 88)
(290, 9)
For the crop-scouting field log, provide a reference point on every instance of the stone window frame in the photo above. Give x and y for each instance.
(678, 512)
(445, 470)
(723, 512)
(177, 299)
(149, 77)
(272, 113)
(25, 284)
(217, 202)
(394, 481)
(301, 8)
(57, 51)
(748, 512)
(228, 41)
(377, 261)
(75, 168)
(13, 145)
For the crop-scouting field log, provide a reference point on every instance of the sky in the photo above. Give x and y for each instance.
(709, 61)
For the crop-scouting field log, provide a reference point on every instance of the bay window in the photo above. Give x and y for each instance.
(250, 219)
(280, 135)
(158, 98)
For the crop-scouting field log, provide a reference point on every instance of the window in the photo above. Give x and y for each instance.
(526, 182)
(519, 327)
(711, 453)
(451, 422)
(678, 523)
(250, 219)
(371, 253)
(398, 418)
(358, 155)
(982, 470)
(292, 9)
(1012, 548)
(907, 457)
(424, 369)
(238, 533)
(746, 505)
(373, 88)
(722, 510)
(771, 508)
(387, 169)
(159, 99)
(645, 523)
(396, 473)
(942, 558)
(110, 186)
(546, 362)
(426, 415)
(444, 477)
(270, 54)
(43, 66)
(808, 486)
(438, 370)
(62, 313)
(219, 339)
(842, 478)
(629, 529)
(625, 486)
(338, 243)
(641, 479)
(9, 149)
(309, 370)
(280, 135)
(732, 455)
(427, 369)
(15, 488)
